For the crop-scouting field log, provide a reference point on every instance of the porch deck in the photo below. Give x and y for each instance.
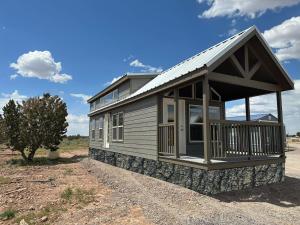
(231, 142)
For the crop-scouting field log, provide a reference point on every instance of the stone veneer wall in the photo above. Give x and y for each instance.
(203, 181)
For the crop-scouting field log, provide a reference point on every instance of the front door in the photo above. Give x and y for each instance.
(169, 117)
(106, 131)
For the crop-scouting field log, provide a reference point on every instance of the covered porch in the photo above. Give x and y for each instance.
(192, 125)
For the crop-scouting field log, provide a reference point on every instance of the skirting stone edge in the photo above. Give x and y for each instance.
(199, 180)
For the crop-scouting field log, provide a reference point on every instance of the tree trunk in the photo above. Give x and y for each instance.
(31, 155)
(23, 155)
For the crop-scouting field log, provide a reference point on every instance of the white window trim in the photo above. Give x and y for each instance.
(193, 141)
(101, 128)
(117, 127)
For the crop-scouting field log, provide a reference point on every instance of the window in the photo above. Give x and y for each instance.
(196, 123)
(199, 90)
(115, 95)
(214, 113)
(118, 127)
(186, 92)
(101, 123)
(196, 120)
(171, 113)
(93, 126)
(92, 106)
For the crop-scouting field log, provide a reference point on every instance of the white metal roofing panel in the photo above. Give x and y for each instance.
(206, 57)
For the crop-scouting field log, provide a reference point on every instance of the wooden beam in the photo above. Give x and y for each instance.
(247, 104)
(238, 65)
(224, 78)
(206, 128)
(176, 127)
(246, 59)
(254, 70)
(280, 121)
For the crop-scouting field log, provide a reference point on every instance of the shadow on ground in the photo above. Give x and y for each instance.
(41, 161)
(284, 194)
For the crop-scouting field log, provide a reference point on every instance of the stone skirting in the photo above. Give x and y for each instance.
(200, 180)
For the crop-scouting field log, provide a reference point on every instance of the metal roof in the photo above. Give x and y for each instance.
(203, 59)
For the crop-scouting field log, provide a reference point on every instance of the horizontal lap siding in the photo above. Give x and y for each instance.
(140, 130)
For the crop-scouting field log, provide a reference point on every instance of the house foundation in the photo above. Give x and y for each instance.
(196, 179)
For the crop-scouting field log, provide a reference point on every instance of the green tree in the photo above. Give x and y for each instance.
(54, 121)
(38, 122)
(12, 123)
(31, 126)
(298, 134)
(2, 130)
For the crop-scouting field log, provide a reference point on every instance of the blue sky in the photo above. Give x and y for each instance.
(96, 41)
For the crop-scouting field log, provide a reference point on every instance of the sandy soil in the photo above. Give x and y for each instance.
(124, 197)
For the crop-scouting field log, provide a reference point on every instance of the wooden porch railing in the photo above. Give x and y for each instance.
(166, 139)
(232, 139)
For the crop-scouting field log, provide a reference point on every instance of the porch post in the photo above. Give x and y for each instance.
(248, 118)
(247, 104)
(280, 121)
(176, 138)
(206, 128)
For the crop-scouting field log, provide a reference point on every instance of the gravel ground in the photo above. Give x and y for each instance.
(165, 203)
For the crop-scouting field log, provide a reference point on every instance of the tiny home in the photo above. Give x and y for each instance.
(173, 126)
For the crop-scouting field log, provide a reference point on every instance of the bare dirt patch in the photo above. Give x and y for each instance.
(76, 190)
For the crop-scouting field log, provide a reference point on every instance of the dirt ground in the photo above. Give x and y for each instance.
(76, 190)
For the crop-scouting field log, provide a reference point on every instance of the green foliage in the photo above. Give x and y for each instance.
(54, 121)
(12, 126)
(298, 134)
(67, 194)
(4, 180)
(8, 214)
(78, 195)
(3, 138)
(38, 122)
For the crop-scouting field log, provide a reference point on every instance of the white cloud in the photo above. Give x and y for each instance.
(112, 81)
(83, 97)
(14, 95)
(40, 64)
(251, 9)
(267, 104)
(285, 38)
(232, 31)
(14, 76)
(145, 68)
(128, 58)
(78, 124)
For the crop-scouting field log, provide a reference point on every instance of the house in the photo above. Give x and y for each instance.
(265, 117)
(172, 125)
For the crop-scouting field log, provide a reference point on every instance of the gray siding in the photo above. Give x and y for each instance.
(137, 83)
(124, 90)
(140, 130)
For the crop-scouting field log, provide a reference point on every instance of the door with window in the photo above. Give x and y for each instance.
(196, 127)
(169, 117)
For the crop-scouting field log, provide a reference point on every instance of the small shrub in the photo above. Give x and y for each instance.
(8, 214)
(78, 195)
(67, 194)
(68, 171)
(4, 180)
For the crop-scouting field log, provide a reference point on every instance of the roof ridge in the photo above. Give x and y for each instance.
(210, 48)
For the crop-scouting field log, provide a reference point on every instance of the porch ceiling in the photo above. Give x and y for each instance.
(231, 92)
